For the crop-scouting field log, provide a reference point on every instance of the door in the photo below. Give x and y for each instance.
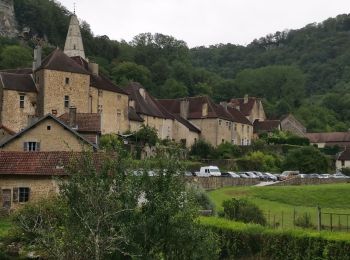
(6, 199)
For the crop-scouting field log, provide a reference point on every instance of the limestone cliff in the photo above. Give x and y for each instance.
(7, 19)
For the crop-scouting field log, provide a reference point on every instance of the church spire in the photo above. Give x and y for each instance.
(74, 42)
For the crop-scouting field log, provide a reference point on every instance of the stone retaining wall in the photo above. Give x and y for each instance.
(212, 183)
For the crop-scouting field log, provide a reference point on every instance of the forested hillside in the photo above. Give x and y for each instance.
(304, 71)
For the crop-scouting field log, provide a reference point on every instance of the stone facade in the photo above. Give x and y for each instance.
(182, 134)
(51, 135)
(39, 187)
(12, 115)
(292, 125)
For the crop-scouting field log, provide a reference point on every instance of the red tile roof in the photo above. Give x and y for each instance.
(238, 116)
(34, 163)
(86, 122)
(17, 82)
(328, 137)
(266, 126)
(58, 60)
(245, 108)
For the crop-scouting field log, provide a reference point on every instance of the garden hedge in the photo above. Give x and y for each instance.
(239, 240)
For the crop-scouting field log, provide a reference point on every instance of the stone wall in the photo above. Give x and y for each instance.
(310, 181)
(212, 183)
(8, 25)
(40, 187)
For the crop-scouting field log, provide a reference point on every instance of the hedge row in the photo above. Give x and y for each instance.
(239, 240)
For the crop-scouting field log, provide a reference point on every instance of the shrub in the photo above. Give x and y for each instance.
(202, 199)
(227, 151)
(242, 210)
(202, 149)
(259, 161)
(346, 171)
(304, 221)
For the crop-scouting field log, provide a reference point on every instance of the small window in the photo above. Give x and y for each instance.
(31, 147)
(21, 101)
(48, 128)
(343, 163)
(219, 122)
(66, 101)
(67, 81)
(54, 112)
(235, 127)
(119, 97)
(23, 194)
(74, 47)
(223, 140)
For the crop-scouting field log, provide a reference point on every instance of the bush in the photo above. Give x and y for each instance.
(346, 171)
(242, 210)
(241, 241)
(304, 221)
(202, 199)
(227, 151)
(259, 161)
(202, 150)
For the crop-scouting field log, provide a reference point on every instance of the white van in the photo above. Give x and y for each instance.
(208, 171)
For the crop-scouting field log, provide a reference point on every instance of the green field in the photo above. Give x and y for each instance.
(280, 203)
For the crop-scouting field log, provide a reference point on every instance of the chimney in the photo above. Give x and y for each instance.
(73, 117)
(37, 57)
(246, 98)
(93, 67)
(224, 105)
(184, 108)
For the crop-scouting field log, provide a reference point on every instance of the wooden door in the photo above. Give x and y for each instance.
(6, 198)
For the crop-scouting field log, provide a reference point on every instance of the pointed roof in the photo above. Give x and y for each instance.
(74, 42)
(59, 61)
(48, 116)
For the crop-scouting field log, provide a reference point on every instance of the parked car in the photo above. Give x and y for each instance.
(233, 175)
(325, 176)
(252, 175)
(286, 175)
(340, 175)
(261, 175)
(270, 176)
(208, 171)
(314, 175)
(243, 175)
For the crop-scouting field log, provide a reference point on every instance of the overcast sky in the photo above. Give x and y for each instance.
(203, 22)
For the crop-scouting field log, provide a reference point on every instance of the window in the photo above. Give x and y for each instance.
(74, 47)
(66, 101)
(31, 146)
(219, 122)
(67, 81)
(48, 128)
(23, 194)
(21, 101)
(235, 127)
(343, 163)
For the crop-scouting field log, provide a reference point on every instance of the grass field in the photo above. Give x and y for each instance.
(280, 203)
(5, 226)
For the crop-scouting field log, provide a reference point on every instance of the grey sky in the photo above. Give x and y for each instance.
(203, 22)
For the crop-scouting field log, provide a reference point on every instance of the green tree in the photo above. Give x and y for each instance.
(306, 160)
(129, 71)
(201, 149)
(13, 57)
(174, 89)
(147, 135)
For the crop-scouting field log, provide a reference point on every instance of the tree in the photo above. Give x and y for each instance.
(306, 160)
(173, 89)
(13, 57)
(147, 135)
(129, 71)
(202, 149)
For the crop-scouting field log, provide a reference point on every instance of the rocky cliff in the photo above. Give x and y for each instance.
(8, 26)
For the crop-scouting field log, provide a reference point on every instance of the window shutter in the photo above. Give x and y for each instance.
(38, 146)
(15, 195)
(25, 146)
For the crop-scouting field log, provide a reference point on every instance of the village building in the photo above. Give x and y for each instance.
(46, 135)
(343, 160)
(267, 126)
(216, 124)
(292, 125)
(251, 107)
(5, 133)
(321, 140)
(146, 110)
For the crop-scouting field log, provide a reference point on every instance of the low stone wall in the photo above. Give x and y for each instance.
(310, 181)
(212, 183)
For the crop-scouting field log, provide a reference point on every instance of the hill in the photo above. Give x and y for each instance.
(305, 71)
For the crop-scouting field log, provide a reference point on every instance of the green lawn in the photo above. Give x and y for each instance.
(280, 203)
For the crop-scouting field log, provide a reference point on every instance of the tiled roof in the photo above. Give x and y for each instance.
(7, 130)
(18, 82)
(328, 137)
(86, 122)
(58, 60)
(99, 81)
(48, 116)
(245, 108)
(19, 71)
(238, 116)
(266, 126)
(133, 116)
(345, 155)
(34, 163)
(145, 106)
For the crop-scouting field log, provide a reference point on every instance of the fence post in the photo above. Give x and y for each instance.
(319, 221)
(331, 220)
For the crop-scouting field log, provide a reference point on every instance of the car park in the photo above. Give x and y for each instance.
(286, 175)
(340, 175)
(233, 175)
(270, 176)
(252, 175)
(325, 176)
(243, 175)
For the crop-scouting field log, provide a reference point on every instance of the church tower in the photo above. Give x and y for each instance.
(74, 42)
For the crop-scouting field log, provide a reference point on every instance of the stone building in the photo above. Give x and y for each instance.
(250, 107)
(267, 126)
(290, 124)
(216, 123)
(5, 133)
(321, 140)
(47, 135)
(343, 160)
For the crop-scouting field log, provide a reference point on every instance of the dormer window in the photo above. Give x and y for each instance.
(205, 110)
